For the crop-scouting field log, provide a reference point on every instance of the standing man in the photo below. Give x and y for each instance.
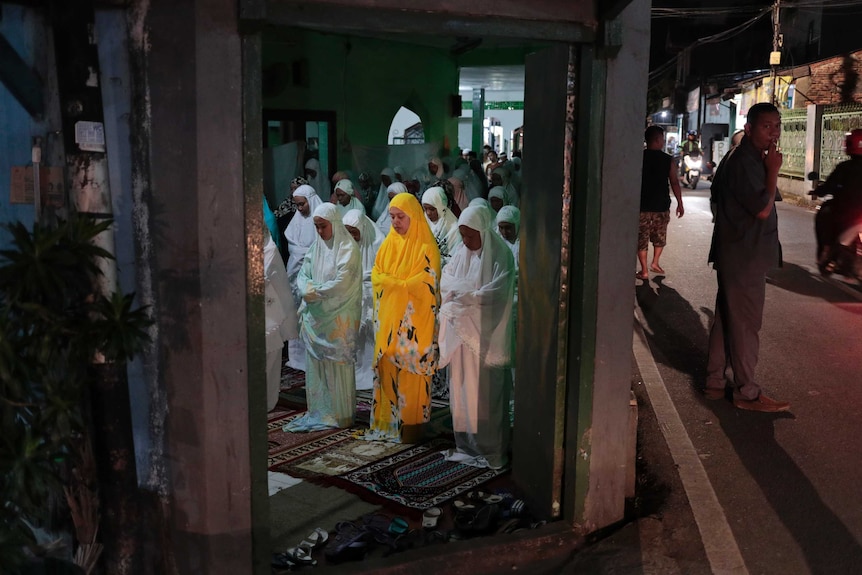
(658, 171)
(744, 247)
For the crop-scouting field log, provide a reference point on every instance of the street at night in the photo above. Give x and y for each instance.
(787, 483)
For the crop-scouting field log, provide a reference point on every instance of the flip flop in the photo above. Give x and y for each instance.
(487, 498)
(300, 556)
(430, 517)
(641, 276)
(315, 539)
(656, 269)
(350, 543)
(398, 526)
(461, 505)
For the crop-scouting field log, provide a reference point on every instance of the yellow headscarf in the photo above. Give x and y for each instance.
(407, 271)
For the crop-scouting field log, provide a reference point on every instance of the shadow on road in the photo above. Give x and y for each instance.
(677, 338)
(799, 280)
(674, 329)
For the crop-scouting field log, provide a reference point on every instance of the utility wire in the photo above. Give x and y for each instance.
(719, 37)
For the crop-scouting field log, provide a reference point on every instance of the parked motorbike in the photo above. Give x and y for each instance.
(843, 256)
(692, 164)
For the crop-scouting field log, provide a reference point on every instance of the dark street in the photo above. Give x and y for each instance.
(788, 483)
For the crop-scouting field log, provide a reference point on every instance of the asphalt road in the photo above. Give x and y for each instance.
(789, 483)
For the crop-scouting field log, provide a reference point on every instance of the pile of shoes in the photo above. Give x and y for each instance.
(295, 558)
(479, 513)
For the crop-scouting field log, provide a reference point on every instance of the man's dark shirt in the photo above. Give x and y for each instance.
(654, 181)
(741, 242)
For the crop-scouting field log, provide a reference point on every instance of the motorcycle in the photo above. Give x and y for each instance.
(843, 256)
(692, 164)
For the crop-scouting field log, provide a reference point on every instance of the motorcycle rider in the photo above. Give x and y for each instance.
(840, 213)
(688, 148)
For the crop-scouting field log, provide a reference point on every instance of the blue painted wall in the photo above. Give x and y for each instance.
(25, 30)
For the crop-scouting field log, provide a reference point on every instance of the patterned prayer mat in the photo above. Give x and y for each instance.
(282, 444)
(291, 378)
(419, 477)
(322, 460)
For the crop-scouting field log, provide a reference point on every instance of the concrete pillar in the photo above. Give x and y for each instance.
(478, 120)
(624, 111)
(194, 229)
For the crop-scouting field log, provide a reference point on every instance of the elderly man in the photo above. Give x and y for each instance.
(744, 247)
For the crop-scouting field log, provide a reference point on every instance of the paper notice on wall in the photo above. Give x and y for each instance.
(51, 186)
(90, 136)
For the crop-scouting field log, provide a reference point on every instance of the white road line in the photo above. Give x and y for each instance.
(718, 541)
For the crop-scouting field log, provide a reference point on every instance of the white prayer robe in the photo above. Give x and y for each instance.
(330, 283)
(477, 343)
(370, 239)
(300, 234)
(280, 314)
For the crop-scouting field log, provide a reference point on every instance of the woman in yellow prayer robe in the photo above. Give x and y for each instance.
(406, 281)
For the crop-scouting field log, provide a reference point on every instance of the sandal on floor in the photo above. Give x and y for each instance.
(430, 517)
(480, 522)
(315, 539)
(461, 505)
(486, 498)
(515, 508)
(350, 543)
(641, 276)
(384, 530)
(300, 556)
(282, 561)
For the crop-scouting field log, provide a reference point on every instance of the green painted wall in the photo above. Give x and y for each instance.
(364, 81)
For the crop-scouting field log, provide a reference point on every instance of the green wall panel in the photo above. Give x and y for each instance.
(364, 81)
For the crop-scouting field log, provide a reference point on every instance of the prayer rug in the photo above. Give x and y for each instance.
(418, 477)
(291, 378)
(322, 460)
(283, 445)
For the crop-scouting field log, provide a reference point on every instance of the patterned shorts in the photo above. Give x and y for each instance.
(653, 228)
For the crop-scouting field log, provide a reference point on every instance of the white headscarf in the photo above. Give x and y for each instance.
(300, 232)
(333, 273)
(400, 171)
(445, 229)
(384, 222)
(472, 187)
(511, 191)
(370, 238)
(382, 201)
(346, 186)
(477, 291)
(320, 182)
(511, 215)
(499, 192)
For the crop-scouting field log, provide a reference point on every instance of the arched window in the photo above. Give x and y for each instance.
(406, 128)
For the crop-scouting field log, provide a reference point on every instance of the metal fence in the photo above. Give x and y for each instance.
(837, 121)
(792, 142)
